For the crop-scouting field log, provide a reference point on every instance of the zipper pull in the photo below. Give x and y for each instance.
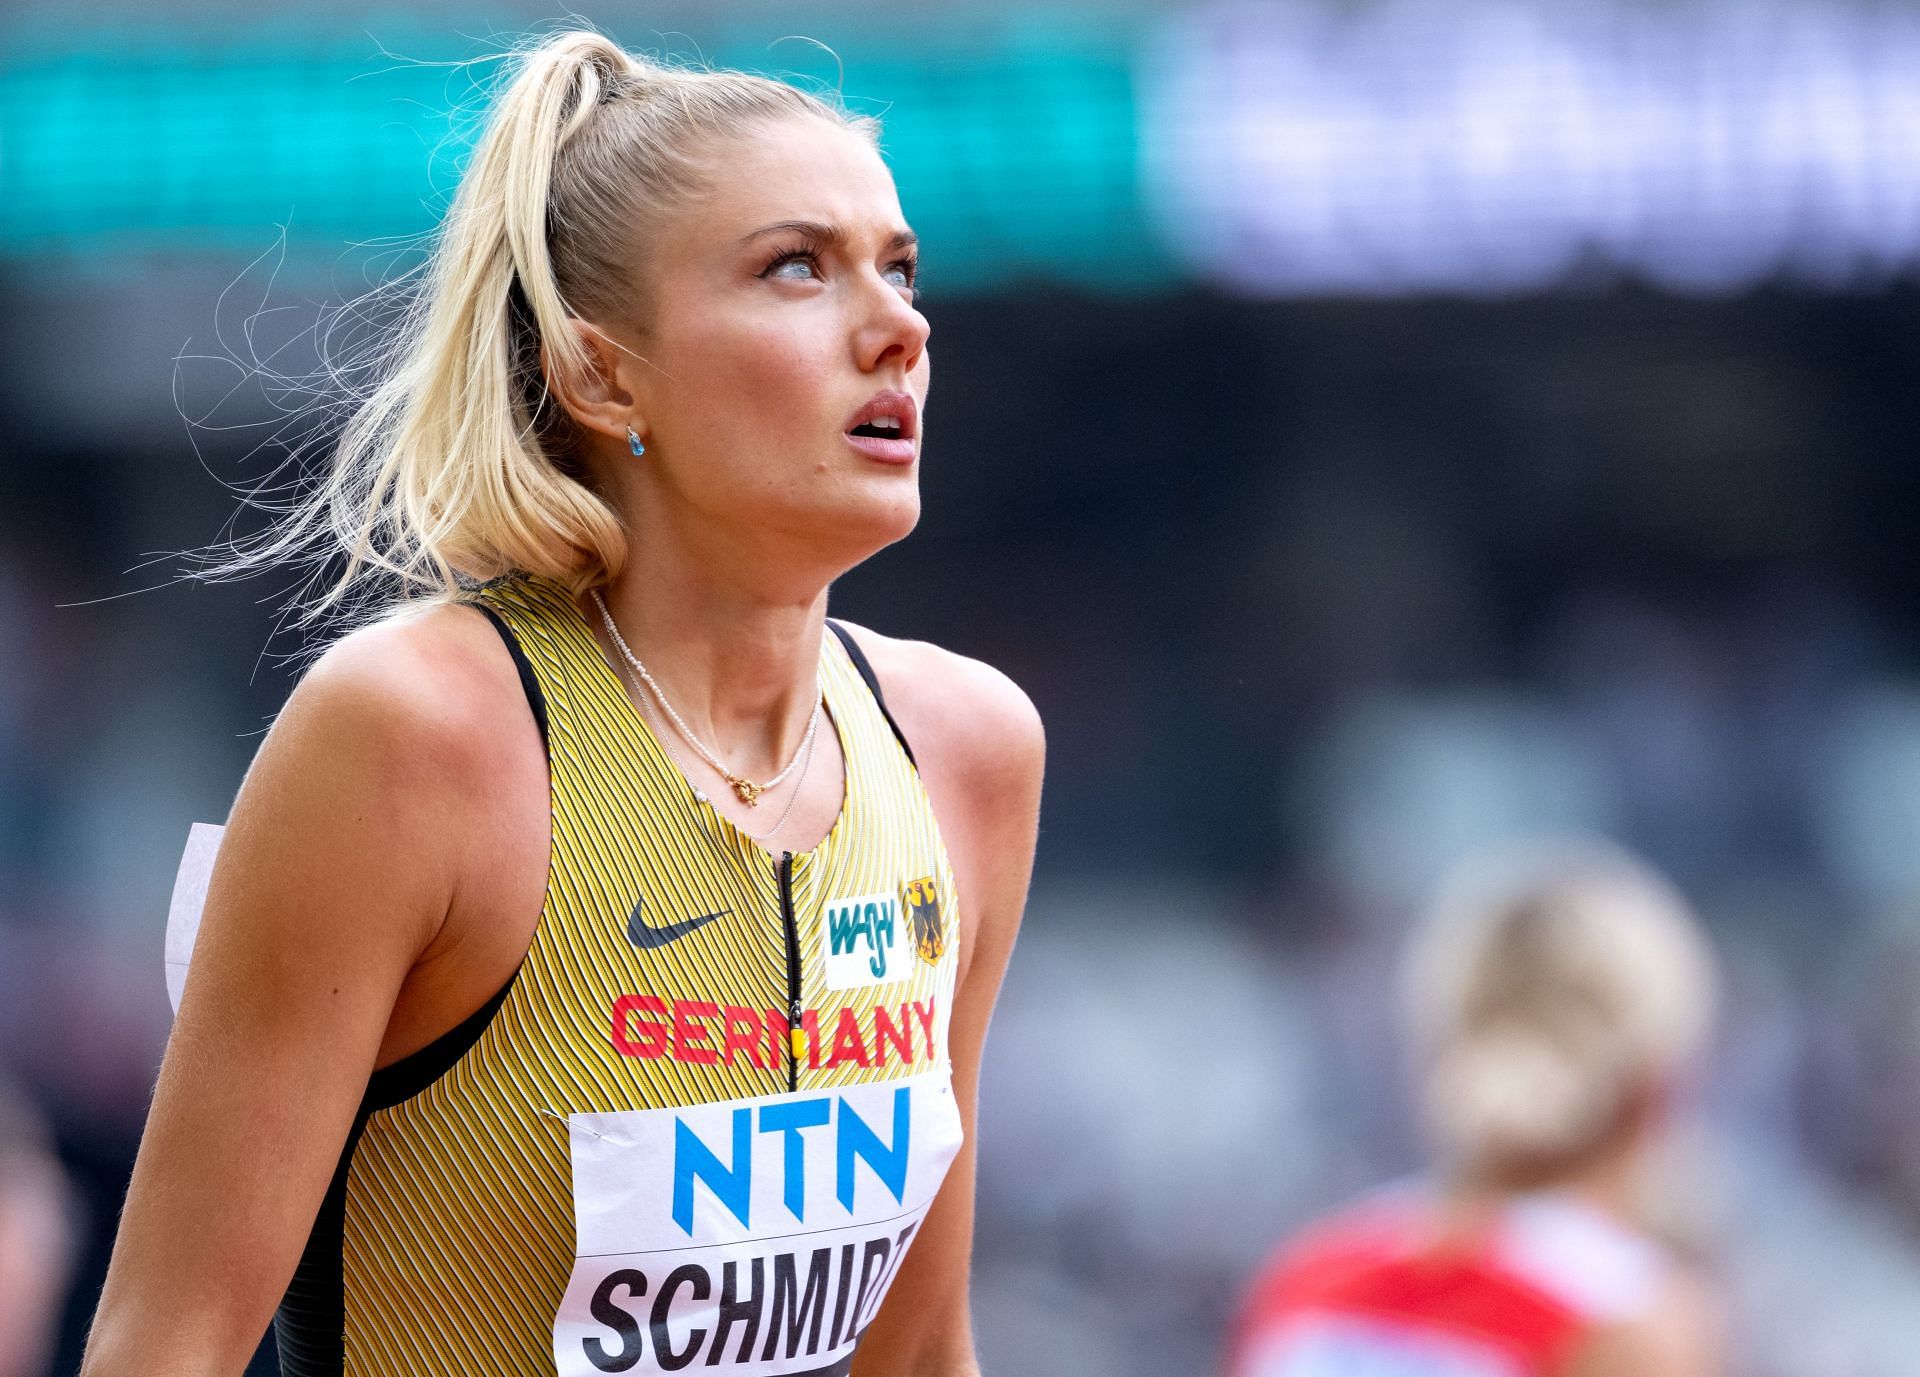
(796, 1033)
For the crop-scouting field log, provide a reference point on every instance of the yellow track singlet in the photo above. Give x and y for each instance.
(699, 1127)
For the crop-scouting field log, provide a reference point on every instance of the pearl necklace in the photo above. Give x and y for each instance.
(806, 760)
(748, 791)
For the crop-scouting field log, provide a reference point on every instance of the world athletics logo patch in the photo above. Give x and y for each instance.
(921, 899)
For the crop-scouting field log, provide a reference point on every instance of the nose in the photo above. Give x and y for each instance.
(894, 330)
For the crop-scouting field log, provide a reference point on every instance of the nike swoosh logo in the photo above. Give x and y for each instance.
(645, 936)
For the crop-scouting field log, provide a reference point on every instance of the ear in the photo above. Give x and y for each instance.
(594, 392)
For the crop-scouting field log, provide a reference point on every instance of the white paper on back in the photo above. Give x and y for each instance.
(189, 898)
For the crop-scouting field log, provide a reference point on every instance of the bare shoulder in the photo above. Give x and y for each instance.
(1679, 1336)
(981, 752)
(378, 770)
(436, 679)
(978, 723)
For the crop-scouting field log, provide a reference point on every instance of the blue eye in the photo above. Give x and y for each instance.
(908, 280)
(792, 256)
(907, 269)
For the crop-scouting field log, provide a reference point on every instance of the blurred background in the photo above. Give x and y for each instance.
(1368, 430)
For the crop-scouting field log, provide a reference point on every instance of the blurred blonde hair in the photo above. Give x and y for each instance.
(454, 465)
(1547, 987)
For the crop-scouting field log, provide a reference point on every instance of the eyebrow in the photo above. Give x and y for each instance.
(832, 234)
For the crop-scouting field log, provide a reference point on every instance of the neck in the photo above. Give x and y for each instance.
(1611, 1179)
(735, 653)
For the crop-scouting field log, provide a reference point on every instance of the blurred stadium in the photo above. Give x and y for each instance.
(1368, 430)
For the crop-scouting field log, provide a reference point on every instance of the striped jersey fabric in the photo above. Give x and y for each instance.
(701, 1124)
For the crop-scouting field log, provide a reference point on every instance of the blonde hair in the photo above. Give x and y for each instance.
(1546, 989)
(455, 465)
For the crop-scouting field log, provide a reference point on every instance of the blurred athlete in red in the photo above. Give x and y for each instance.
(1554, 1003)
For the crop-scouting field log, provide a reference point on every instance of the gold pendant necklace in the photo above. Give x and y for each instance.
(747, 791)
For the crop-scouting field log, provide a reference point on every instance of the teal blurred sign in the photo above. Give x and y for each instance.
(1014, 143)
(1304, 147)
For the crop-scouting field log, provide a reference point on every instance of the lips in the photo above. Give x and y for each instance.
(882, 407)
(886, 427)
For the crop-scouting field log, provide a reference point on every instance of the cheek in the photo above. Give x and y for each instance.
(761, 381)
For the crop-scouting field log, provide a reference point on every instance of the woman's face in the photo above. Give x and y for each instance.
(767, 340)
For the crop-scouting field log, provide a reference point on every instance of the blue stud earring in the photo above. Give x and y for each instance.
(634, 442)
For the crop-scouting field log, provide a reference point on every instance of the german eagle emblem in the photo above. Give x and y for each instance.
(921, 899)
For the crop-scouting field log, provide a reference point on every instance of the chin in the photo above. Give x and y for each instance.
(892, 516)
(874, 516)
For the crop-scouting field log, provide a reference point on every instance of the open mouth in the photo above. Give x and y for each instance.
(887, 427)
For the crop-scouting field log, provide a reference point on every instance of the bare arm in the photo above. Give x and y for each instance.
(981, 752)
(333, 879)
(1680, 1337)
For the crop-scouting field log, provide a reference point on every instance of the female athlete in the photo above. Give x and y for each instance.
(1556, 1003)
(595, 969)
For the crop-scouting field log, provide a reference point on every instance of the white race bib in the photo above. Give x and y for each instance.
(747, 1237)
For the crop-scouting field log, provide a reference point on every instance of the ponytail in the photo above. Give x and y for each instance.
(1546, 992)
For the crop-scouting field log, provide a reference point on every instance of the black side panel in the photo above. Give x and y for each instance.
(310, 1327)
(861, 663)
(416, 1071)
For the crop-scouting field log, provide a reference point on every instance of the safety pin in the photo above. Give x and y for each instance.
(568, 1122)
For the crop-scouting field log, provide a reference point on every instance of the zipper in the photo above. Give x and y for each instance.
(784, 872)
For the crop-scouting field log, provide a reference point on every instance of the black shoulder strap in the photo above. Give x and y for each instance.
(535, 698)
(865, 667)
